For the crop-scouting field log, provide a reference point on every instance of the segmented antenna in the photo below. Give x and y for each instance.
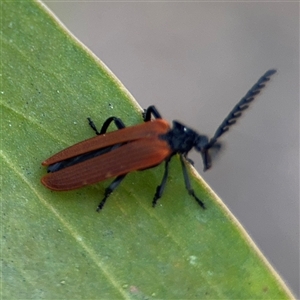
(242, 105)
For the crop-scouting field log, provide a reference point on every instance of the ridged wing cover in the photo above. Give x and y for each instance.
(127, 134)
(136, 155)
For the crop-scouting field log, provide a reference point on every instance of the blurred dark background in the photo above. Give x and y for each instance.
(194, 61)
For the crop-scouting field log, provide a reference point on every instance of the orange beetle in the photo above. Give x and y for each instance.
(138, 147)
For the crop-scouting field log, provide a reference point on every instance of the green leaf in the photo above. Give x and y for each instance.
(54, 244)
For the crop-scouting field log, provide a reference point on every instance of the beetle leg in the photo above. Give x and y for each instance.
(109, 190)
(161, 187)
(151, 110)
(189, 160)
(188, 183)
(118, 122)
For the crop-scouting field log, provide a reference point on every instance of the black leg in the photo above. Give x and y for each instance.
(118, 122)
(188, 183)
(110, 189)
(151, 110)
(161, 187)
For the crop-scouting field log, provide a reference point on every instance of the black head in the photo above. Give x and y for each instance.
(182, 139)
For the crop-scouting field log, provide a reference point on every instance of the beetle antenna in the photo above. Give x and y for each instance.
(235, 113)
(243, 104)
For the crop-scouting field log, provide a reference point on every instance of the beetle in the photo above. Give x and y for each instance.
(139, 147)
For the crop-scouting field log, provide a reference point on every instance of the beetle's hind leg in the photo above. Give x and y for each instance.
(109, 190)
(118, 122)
(151, 111)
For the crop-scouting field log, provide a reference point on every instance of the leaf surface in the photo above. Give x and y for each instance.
(54, 244)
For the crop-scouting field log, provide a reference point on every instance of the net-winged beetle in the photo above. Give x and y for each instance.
(139, 147)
